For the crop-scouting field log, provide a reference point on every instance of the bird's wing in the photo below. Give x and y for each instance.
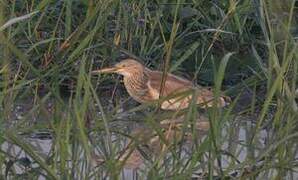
(175, 89)
(176, 86)
(173, 84)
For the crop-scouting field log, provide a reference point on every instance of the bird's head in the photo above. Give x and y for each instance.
(127, 67)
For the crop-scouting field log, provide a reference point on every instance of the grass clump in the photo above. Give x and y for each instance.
(60, 122)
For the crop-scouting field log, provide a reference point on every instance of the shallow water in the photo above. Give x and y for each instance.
(236, 143)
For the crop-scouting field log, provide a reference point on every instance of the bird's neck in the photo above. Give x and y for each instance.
(136, 84)
(137, 78)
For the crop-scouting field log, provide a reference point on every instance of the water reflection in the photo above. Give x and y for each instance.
(139, 148)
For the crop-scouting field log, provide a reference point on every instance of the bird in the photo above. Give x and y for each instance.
(145, 85)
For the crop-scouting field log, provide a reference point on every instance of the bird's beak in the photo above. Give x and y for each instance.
(106, 70)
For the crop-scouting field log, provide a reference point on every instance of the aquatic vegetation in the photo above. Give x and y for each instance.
(58, 121)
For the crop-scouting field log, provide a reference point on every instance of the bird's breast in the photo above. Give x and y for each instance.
(137, 89)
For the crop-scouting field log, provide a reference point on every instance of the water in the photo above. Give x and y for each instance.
(236, 143)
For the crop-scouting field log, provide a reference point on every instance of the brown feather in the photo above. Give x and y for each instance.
(172, 82)
(174, 86)
(144, 85)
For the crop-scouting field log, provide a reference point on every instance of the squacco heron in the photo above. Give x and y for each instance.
(144, 85)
